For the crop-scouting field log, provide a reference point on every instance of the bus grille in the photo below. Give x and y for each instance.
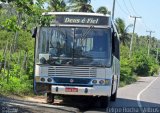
(71, 71)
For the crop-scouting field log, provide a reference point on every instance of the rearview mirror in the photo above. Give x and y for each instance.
(34, 32)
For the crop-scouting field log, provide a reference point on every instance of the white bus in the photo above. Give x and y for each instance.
(77, 55)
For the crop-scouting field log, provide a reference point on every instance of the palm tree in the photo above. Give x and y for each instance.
(80, 5)
(57, 5)
(103, 10)
(123, 30)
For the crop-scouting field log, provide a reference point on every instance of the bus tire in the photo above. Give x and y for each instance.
(49, 98)
(114, 96)
(104, 101)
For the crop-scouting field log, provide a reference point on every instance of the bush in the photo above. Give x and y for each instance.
(126, 68)
(20, 80)
(127, 74)
(145, 65)
(16, 86)
(139, 64)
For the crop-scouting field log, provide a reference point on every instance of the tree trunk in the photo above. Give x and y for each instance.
(17, 33)
(9, 59)
(5, 57)
(25, 61)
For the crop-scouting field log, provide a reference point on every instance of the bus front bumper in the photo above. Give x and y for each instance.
(86, 91)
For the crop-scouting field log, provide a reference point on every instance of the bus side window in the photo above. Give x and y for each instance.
(115, 45)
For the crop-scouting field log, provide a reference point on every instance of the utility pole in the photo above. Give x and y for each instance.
(135, 18)
(149, 40)
(113, 9)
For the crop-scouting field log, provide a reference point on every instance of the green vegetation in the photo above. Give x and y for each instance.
(17, 47)
(16, 69)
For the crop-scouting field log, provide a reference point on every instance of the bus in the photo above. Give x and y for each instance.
(77, 54)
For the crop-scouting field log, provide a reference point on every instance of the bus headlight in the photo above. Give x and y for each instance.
(42, 60)
(101, 82)
(49, 80)
(42, 79)
(94, 81)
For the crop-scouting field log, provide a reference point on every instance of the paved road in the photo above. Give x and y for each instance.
(144, 93)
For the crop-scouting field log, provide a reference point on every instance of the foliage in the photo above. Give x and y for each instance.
(103, 10)
(123, 30)
(57, 5)
(146, 66)
(80, 5)
(16, 86)
(127, 71)
(11, 24)
(20, 75)
(139, 65)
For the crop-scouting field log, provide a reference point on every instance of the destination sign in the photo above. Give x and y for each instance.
(82, 19)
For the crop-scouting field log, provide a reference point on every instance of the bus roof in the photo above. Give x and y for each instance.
(75, 13)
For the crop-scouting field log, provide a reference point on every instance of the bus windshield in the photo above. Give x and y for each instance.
(75, 46)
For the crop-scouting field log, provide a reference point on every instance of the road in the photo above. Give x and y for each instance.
(144, 93)
(134, 98)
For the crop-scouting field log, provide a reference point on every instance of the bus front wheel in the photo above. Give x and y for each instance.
(114, 96)
(49, 98)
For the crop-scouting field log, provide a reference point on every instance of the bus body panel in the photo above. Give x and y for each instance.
(56, 78)
(91, 91)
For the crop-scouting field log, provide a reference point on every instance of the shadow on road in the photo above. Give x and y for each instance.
(81, 104)
(123, 105)
(127, 106)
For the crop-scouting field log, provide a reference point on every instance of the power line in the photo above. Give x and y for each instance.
(133, 7)
(122, 9)
(145, 24)
(126, 7)
(141, 22)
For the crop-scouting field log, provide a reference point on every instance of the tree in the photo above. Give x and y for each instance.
(123, 30)
(57, 5)
(80, 5)
(103, 10)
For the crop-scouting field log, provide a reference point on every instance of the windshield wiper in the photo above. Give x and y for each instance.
(86, 33)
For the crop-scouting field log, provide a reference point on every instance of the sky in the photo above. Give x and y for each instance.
(147, 9)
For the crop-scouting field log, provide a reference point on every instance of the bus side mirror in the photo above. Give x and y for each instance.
(34, 32)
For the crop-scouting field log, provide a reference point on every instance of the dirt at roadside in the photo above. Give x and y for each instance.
(35, 104)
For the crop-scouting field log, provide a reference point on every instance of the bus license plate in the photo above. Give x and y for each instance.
(71, 89)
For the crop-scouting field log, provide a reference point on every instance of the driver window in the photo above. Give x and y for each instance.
(42, 42)
(57, 43)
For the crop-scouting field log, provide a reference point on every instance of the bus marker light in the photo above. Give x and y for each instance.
(107, 82)
(37, 78)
